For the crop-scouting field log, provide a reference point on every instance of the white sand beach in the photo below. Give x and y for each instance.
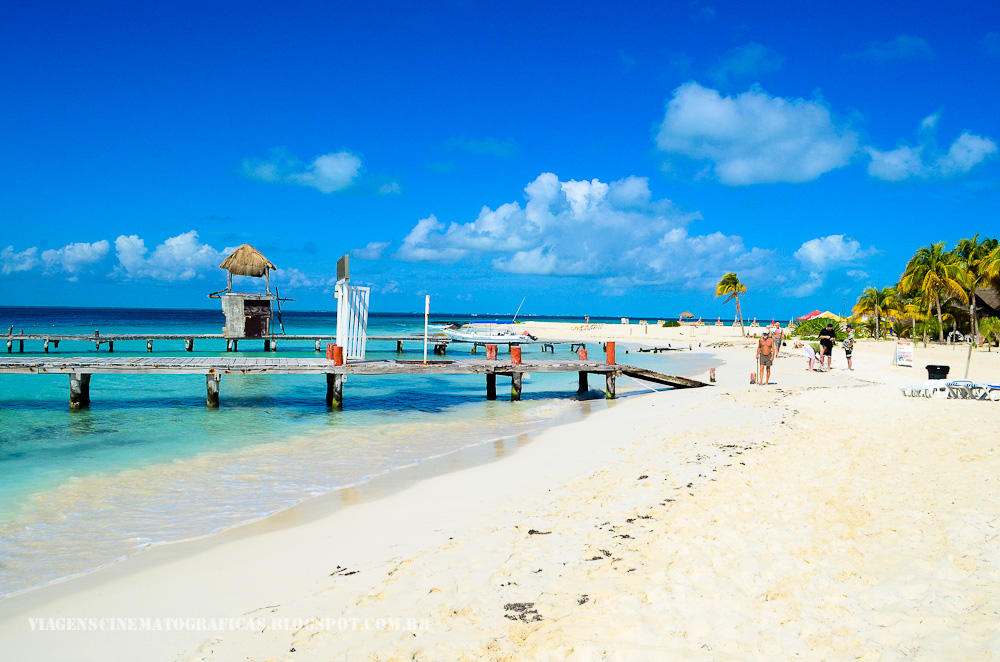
(825, 516)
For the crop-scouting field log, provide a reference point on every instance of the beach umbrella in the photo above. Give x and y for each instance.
(809, 316)
(833, 316)
(686, 313)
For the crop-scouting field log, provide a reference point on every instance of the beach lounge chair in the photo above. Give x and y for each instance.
(989, 391)
(929, 389)
(961, 388)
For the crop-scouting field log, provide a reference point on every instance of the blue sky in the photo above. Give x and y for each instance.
(596, 158)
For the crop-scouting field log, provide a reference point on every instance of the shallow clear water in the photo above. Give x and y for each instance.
(147, 462)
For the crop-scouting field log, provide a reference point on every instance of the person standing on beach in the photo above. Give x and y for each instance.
(765, 353)
(826, 338)
(778, 336)
(849, 346)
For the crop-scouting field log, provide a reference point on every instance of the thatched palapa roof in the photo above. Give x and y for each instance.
(247, 261)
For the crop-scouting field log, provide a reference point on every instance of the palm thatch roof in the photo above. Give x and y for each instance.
(247, 261)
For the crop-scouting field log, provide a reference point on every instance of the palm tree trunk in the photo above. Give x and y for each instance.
(972, 314)
(925, 324)
(739, 315)
(878, 328)
(937, 300)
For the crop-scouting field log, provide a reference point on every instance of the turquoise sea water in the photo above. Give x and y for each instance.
(147, 462)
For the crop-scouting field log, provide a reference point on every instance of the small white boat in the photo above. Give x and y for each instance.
(488, 332)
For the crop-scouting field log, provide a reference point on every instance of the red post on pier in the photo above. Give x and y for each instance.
(335, 353)
(611, 353)
(515, 355)
(582, 353)
(491, 352)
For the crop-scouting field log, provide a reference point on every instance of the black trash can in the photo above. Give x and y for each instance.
(937, 371)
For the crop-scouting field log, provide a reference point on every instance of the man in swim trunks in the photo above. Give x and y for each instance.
(778, 336)
(849, 346)
(765, 353)
(826, 338)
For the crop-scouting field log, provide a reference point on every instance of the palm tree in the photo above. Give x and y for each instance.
(731, 288)
(934, 272)
(978, 262)
(877, 303)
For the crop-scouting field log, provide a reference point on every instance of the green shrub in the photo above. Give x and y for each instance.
(671, 324)
(810, 329)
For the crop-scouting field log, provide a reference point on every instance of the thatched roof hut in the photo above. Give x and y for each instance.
(248, 261)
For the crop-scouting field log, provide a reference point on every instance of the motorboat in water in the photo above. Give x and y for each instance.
(487, 332)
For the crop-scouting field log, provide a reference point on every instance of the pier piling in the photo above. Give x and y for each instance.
(46, 345)
(79, 390)
(583, 386)
(212, 399)
(189, 345)
(515, 386)
(267, 344)
(149, 346)
(491, 386)
(334, 390)
(610, 382)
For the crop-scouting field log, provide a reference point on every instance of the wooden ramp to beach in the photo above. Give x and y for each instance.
(80, 370)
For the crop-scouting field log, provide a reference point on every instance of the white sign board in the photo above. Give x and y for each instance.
(904, 353)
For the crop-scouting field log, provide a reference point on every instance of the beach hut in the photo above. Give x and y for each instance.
(248, 315)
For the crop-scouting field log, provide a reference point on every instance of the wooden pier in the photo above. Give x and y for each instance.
(438, 343)
(80, 370)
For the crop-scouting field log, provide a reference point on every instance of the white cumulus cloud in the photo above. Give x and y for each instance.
(372, 251)
(753, 137)
(178, 258)
(327, 173)
(611, 230)
(11, 262)
(74, 258)
(834, 250)
(925, 161)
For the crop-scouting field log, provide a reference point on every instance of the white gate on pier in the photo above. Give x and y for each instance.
(352, 319)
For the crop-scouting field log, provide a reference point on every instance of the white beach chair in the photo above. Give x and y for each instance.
(990, 392)
(960, 388)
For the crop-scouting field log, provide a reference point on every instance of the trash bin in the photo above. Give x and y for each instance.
(937, 371)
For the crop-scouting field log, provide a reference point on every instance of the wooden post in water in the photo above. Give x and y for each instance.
(189, 345)
(515, 386)
(149, 346)
(399, 346)
(111, 346)
(79, 390)
(317, 344)
(10, 346)
(46, 345)
(267, 344)
(229, 345)
(212, 399)
(21, 343)
(584, 386)
(610, 382)
(491, 386)
(334, 390)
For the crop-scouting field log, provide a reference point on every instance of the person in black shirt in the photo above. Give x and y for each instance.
(826, 338)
